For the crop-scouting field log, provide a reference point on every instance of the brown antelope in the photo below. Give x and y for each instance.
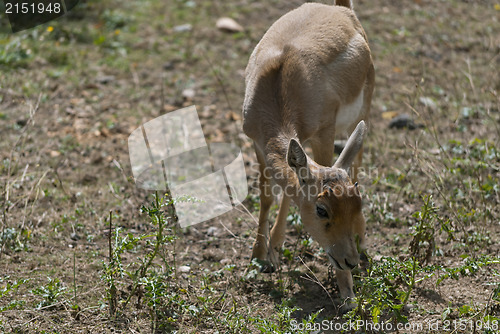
(310, 77)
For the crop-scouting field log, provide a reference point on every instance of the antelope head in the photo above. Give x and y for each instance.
(329, 203)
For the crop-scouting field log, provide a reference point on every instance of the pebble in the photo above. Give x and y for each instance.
(404, 121)
(188, 93)
(105, 79)
(184, 269)
(183, 27)
(428, 102)
(212, 231)
(229, 25)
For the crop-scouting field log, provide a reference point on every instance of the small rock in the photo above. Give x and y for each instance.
(404, 121)
(227, 24)
(97, 157)
(212, 255)
(184, 269)
(74, 236)
(54, 154)
(389, 114)
(208, 111)
(409, 307)
(435, 151)
(212, 231)
(188, 93)
(88, 179)
(105, 79)
(225, 261)
(22, 122)
(183, 27)
(169, 65)
(428, 102)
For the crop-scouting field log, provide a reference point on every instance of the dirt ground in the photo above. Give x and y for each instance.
(72, 91)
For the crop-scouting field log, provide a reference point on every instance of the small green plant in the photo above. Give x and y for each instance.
(283, 322)
(50, 293)
(423, 244)
(115, 19)
(380, 206)
(493, 309)
(114, 268)
(389, 282)
(141, 274)
(7, 291)
(14, 52)
(14, 239)
(386, 289)
(156, 291)
(471, 265)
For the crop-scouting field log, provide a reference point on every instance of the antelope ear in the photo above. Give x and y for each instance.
(297, 160)
(352, 147)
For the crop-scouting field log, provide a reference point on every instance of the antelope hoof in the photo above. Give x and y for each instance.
(265, 266)
(274, 258)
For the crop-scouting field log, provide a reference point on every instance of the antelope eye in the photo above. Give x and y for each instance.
(321, 212)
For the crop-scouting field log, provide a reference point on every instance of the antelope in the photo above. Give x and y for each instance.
(311, 76)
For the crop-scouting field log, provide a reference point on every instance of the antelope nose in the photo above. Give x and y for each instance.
(350, 265)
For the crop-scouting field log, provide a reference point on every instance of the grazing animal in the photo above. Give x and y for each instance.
(309, 78)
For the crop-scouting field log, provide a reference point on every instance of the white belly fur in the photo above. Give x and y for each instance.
(348, 114)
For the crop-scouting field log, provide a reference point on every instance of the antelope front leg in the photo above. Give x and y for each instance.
(323, 148)
(278, 231)
(259, 250)
(344, 281)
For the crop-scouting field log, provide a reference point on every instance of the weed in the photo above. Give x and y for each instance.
(386, 289)
(389, 282)
(156, 289)
(470, 267)
(423, 244)
(50, 293)
(494, 307)
(14, 52)
(14, 239)
(115, 19)
(283, 322)
(380, 206)
(8, 290)
(140, 273)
